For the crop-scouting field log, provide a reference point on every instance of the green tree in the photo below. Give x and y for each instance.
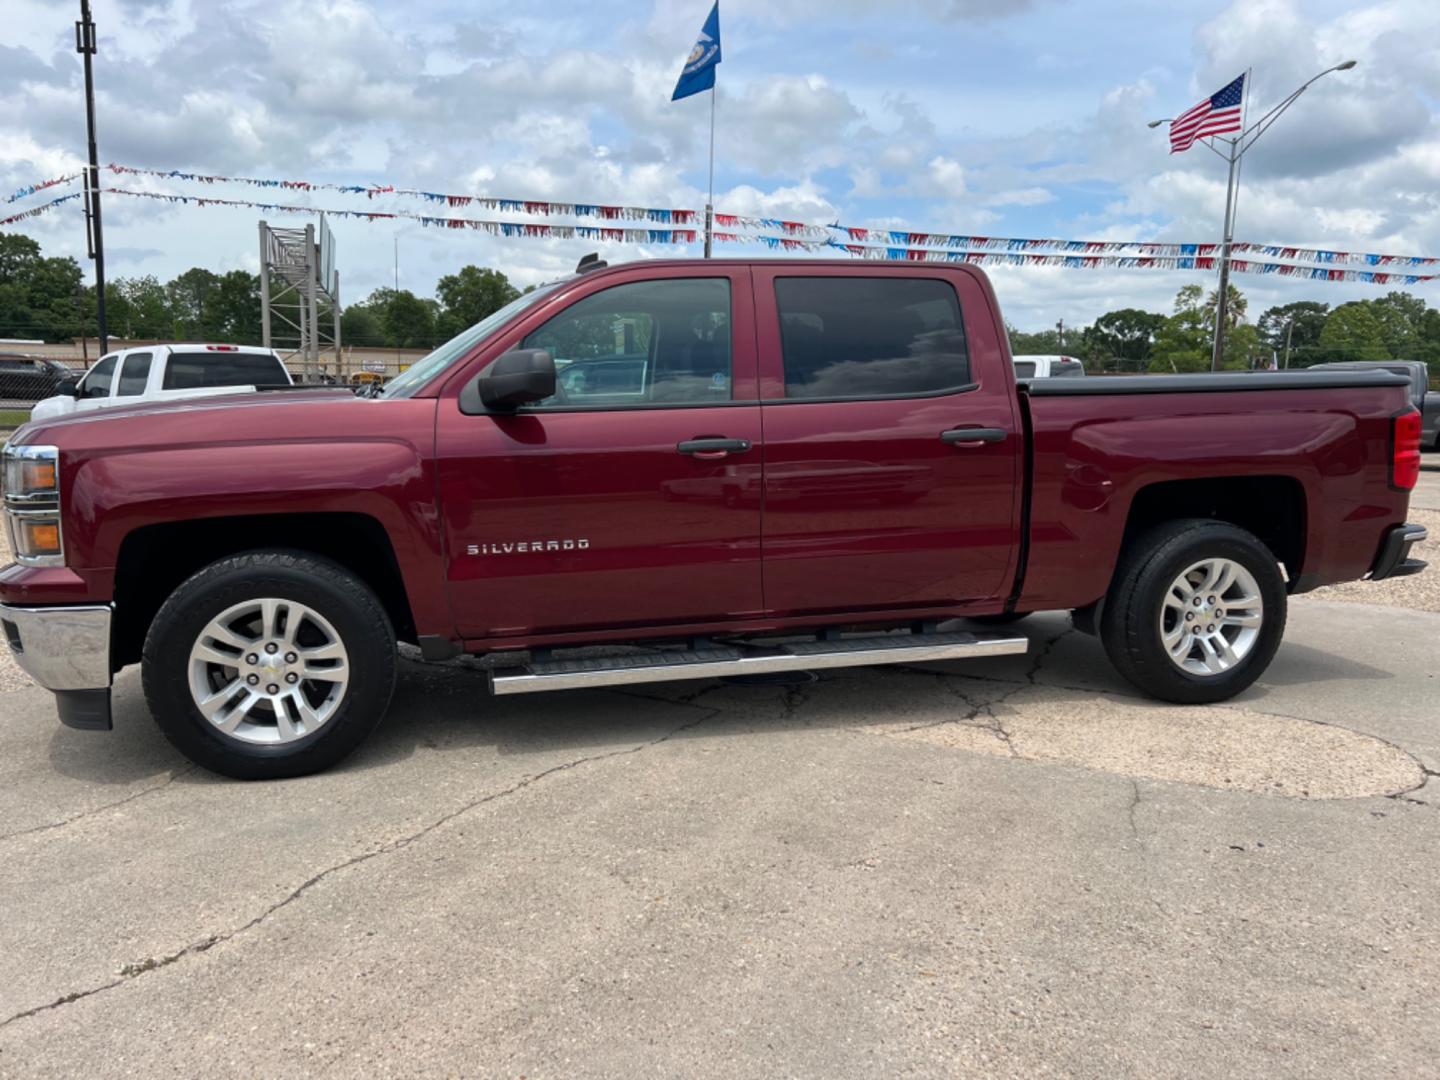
(1352, 332)
(1429, 348)
(189, 294)
(1182, 343)
(144, 311)
(1122, 339)
(1400, 316)
(1244, 349)
(38, 295)
(1300, 321)
(1046, 342)
(231, 312)
(1235, 306)
(470, 295)
(360, 325)
(408, 321)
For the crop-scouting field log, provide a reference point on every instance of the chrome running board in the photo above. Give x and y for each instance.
(716, 661)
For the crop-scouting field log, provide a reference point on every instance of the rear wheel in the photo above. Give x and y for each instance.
(1196, 612)
(269, 664)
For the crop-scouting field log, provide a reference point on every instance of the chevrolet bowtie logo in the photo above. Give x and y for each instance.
(527, 547)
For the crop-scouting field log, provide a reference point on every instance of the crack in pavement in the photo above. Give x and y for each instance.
(130, 972)
(1408, 795)
(101, 809)
(684, 699)
(1133, 808)
(987, 706)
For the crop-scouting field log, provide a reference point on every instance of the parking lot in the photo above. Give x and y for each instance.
(1007, 867)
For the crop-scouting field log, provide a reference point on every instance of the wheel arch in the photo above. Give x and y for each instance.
(1273, 508)
(154, 559)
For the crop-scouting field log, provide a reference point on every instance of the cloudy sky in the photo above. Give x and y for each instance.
(1001, 117)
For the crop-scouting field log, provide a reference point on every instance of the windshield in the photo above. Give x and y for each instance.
(422, 371)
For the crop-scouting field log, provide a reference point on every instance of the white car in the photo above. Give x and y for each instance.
(1047, 367)
(164, 373)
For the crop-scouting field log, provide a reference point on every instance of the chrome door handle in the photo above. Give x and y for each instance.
(973, 436)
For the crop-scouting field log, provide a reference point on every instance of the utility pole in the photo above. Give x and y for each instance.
(95, 236)
(1222, 303)
(1289, 329)
(1060, 335)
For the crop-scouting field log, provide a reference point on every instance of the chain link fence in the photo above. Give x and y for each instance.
(24, 380)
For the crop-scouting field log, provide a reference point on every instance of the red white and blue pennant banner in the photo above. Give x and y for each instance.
(794, 229)
(539, 207)
(36, 211)
(31, 189)
(779, 234)
(1137, 262)
(891, 238)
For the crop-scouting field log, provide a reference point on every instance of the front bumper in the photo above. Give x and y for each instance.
(1394, 558)
(66, 650)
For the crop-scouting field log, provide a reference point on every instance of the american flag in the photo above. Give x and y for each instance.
(1216, 115)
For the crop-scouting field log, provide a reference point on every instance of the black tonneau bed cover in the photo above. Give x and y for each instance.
(1303, 379)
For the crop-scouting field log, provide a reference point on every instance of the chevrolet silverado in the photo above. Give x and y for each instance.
(734, 467)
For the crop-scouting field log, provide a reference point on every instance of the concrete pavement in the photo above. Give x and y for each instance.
(1426, 495)
(1008, 867)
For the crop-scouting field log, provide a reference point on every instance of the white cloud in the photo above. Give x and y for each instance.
(930, 115)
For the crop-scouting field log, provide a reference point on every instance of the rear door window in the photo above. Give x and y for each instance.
(859, 337)
(194, 371)
(1024, 369)
(97, 383)
(134, 374)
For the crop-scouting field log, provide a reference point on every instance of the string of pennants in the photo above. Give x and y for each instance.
(495, 228)
(1146, 262)
(1127, 247)
(793, 229)
(31, 189)
(797, 236)
(540, 207)
(36, 211)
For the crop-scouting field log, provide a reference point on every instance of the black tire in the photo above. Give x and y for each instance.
(1130, 625)
(350, 607)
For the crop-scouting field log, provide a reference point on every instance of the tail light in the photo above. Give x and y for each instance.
(1405, 451)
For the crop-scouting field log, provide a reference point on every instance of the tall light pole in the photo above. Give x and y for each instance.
(1235, 150)
(85, 46)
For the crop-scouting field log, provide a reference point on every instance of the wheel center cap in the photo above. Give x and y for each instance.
(272, 665)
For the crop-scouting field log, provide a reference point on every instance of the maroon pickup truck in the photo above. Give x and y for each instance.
(735, 467)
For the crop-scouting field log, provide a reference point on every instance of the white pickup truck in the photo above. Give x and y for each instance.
(165, 372)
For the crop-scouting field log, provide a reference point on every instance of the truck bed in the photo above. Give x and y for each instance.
(1310, 447)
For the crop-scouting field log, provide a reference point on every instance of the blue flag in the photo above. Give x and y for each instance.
(699, 73)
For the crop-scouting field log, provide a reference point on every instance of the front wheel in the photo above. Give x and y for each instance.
(269, 664)
(1196, 611)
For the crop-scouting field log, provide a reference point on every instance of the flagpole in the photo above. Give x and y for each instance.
(1222, 302)
(710, 199)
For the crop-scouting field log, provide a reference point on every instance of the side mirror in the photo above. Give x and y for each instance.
(67, 388)
(517, 378)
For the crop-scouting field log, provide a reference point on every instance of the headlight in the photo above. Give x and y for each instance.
(32, 504)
